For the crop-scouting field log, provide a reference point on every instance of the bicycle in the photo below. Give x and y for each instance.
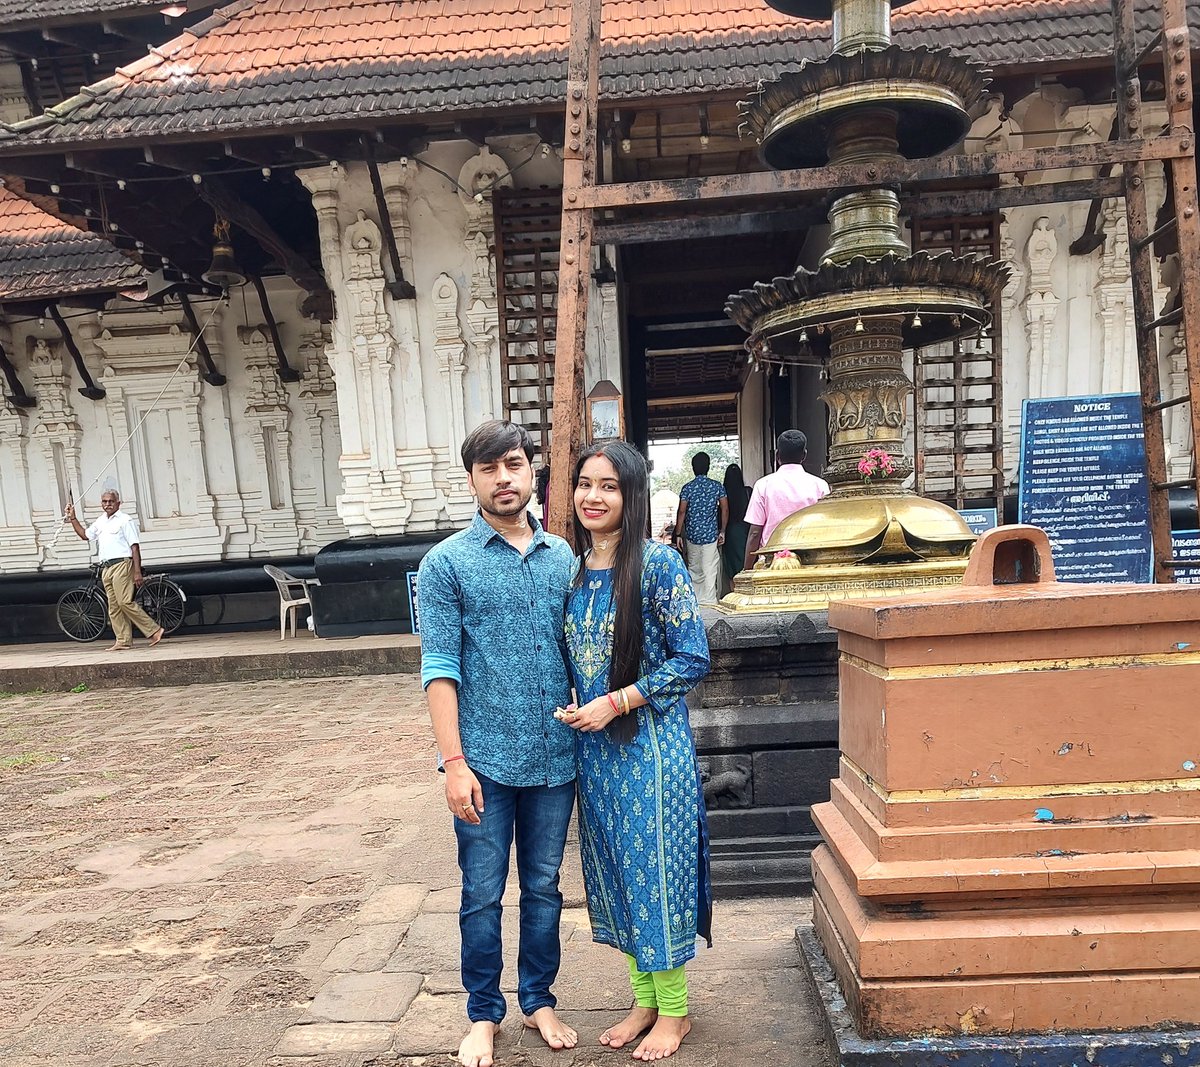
(82, 611)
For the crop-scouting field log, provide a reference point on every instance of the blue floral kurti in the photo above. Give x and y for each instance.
(642, 829)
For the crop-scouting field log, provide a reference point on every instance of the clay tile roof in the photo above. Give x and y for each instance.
(306, 63)
(43, 257)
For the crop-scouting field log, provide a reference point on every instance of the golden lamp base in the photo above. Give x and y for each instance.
(858, 542)
(811, 588)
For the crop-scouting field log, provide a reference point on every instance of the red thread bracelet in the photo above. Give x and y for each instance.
(613, 705)
(451, 759)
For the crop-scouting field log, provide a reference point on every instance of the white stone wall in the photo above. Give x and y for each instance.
(209, 472)
(417, 374)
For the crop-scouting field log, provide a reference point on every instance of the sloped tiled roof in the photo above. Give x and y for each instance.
(306, 63)
(43, 257)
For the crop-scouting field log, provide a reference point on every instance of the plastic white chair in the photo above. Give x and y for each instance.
(293, 592)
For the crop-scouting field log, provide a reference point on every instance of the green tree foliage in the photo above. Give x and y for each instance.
(721, 453)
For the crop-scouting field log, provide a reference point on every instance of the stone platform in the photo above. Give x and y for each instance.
(185, 659)
(264, 875)
(847, 1048)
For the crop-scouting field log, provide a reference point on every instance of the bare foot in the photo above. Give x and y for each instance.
(554, 1031)
(476, 1047)
(636, 1022)
(157, 636)
(664, 1039)
(118, 648)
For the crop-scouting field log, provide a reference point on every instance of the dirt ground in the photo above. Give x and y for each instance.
(264, 873)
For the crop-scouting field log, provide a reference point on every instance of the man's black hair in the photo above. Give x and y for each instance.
(791, 447)
(493, 439)
(700, 462)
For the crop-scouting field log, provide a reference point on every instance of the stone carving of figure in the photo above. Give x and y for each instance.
(1041, 250)
(729, 788)
(363, 242)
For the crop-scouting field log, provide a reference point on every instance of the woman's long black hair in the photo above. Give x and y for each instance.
(625, 666)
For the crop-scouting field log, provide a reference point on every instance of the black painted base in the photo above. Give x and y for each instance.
(765, 726)
(1145, 1048)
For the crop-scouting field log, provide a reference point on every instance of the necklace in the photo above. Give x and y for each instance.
(603, 545)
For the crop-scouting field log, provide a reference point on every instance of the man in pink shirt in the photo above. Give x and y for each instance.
(783, 493)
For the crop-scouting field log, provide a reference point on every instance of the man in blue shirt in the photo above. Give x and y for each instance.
(494, 671)
(700, 528)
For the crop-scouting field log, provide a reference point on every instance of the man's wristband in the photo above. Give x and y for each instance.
(451, 759)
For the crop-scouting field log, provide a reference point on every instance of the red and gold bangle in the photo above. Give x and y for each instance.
(624, 698)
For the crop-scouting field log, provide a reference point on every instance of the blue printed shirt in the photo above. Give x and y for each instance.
(492, 622)
(703, 496)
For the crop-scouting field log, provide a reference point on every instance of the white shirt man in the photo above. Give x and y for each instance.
(116, 537)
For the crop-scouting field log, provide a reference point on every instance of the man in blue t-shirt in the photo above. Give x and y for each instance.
(700, 528)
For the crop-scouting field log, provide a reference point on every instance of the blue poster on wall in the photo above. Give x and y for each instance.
(1083, 480)
(980, 519)
(1185, 545)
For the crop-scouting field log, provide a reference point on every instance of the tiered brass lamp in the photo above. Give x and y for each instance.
(868, 301)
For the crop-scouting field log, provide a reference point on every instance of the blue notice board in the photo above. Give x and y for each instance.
(980, 520)
(412, 601)
(1185, 544)
(1083, 480)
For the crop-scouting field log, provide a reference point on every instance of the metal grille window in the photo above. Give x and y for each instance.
(959, 423)
(527, 245)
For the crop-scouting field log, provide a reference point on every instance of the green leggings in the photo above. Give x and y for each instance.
(665, 991)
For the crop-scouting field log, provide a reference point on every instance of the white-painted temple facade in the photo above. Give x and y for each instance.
(367, 441)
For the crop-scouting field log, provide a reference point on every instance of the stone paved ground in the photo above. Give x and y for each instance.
(263, 873)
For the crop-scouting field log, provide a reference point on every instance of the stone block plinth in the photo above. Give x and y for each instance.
(1013, 840)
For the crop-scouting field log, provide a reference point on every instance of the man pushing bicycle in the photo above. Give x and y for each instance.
(116, 536)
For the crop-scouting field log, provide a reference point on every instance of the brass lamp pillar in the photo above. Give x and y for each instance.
(868, 301)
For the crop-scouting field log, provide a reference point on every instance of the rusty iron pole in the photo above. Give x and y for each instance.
(1129, 128)
(1177, 67)
(575, 257)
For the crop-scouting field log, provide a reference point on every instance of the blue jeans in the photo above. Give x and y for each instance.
(538, 816)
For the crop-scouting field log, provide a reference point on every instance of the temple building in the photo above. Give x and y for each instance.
(388, 175)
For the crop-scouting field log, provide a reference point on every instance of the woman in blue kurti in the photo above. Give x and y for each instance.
(642, 830)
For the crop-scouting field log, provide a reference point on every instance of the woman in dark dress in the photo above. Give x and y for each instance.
(733, 552)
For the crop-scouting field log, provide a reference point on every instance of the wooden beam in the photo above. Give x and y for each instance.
(652, 231)
(16, 391)
(984, 201)
(476, 131)
(575, 256)
(885, 172)
(210, 373)
(78, 39)
(397, 287)
(90, 389)
(286, 372)
(226, 203)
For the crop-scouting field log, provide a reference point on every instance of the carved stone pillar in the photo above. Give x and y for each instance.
(20, 542)
(373, 499)
(416, 457)
(1117, 347)
(268, 490)
(316, 499)
(1179, 434)
(56, 436)
(1041, 305)
(479, 178)
(1010, 318)
(451, 352)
